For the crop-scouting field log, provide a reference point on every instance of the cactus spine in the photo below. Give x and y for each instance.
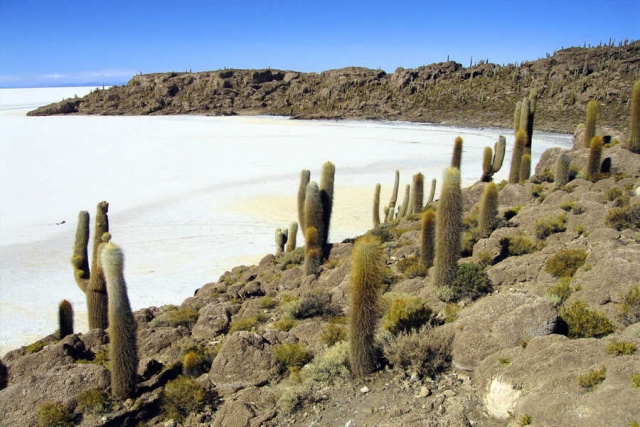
(404, 209)
(456, 158)
(305, 177)
(595, 154)
(516, 159)
(634, 126)
(525, 168)
(326, 197)
(293, 234)
(366, 281)
(281, 239)
(590, 124)
(417, 197)
(427, 238)
(65, 318)
(394, 198)
(123, 350)
(312, 252)
(488, 215)
(448, 228)
(376, 206)
(562, 170)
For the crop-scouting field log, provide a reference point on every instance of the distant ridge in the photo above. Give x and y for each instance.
(483, 94)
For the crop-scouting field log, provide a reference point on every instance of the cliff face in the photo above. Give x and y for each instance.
(482, 95)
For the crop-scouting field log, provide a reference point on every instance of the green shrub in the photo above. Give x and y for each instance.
(624, 217)
(592, 378)
(635, 379)
(537, 190)
(629, 308)
(405, 313)
(468, 240)
(450, 312)
(267, 303)
(511, 212)
(525, 420)
(566, 262)
(619, 348)
(333, 333)
(517, 245)
(504, 360)
(471, 282)
(291, 259)
(585, 323)
(561, 292)
(315, 304)
(292, 356)
(53, 414)
(426, 351)
(182, 397)
(285, 324)
(34, 347)
(175, 317)
(94, 401)
(243, 324)
(618, 196)
(330, 365)
(545, 227)
(411, 267)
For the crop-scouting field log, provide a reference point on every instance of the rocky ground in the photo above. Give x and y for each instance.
(269, 342)
(482, 94)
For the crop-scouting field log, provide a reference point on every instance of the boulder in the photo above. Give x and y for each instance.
(214, 320)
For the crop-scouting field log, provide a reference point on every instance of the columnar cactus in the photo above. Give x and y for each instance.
(525, 168)
(527, 115)
(492, 159)
(417, 196)
(488, 215)
(432, 193)
(456, 158)
(65, 319)
(516, 159)
(590, 124)
(293, 234)
(281, 238)
(376, 206)
(91, 281)
(428, 238)
(394, 198)
(123, 350)
(326, 197)
(366, 281)
(305, 177)
(516, 117)
(312, 252)
(595, 154)
(448, 228)
(634, 126)
(562, 170)
(404, 208)
(313, 216)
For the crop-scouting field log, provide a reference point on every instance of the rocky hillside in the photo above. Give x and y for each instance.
(481, 95)
(541, 327)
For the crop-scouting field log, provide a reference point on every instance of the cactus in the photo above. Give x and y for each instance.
(595, 154)
(192, 365)
(65, 319)
(516, 117)
(590, 125)
(427, 238)
(456, 158)
(526, 119)
(562, 170)
(91, 281)
(4, 375)
(313, 216)
(448, 229)
(634, 126)
(525, 168)
(293, 234)
(366, 281)
(312, 252)
(432, 193)
(123, 350)
(404, 208)
(376, 206)
(417, 196)
(305, 177)
(394, 198)
(326, 197)
(492, 159)
(488, 215)
(281, 239)
(516, 159)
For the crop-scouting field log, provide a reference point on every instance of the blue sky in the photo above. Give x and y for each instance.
(66, 42)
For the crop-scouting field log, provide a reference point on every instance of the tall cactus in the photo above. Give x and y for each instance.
(404, 208)
(595, 154)
(516, 117)
(65, 319)
(394, 198)
(516, 159)
(488, 215)
(562, 170)
(313, 216)
(312, 252)
(376, 206)
(525, 168)
(92, 281)
(305, 177)
(432, 192)
(456, 158)
(448, 228)
(417, 196)
(366, 282)
(326, 197)
(281, 238)
(590, 124)
(492, 159)
(293, 235)
(428, 238)
(123, 349)
(634, 126)
(527, 115)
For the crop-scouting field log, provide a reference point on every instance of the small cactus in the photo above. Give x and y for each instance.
(281, 238)
(562, 170)
(448, 229)
(488, 215)
(417, 196)
(456, 158)
(595, 154)
(305, 177)
(394, 198)
(634, 126)
(516, 159)
(525, 168)
(432, 193)
(376, 206)
(427, 238)
(123, 350)
(313, 252)
(293, 234)
(590, 125)
(366, 281)
(492, 159)
(65, 319)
